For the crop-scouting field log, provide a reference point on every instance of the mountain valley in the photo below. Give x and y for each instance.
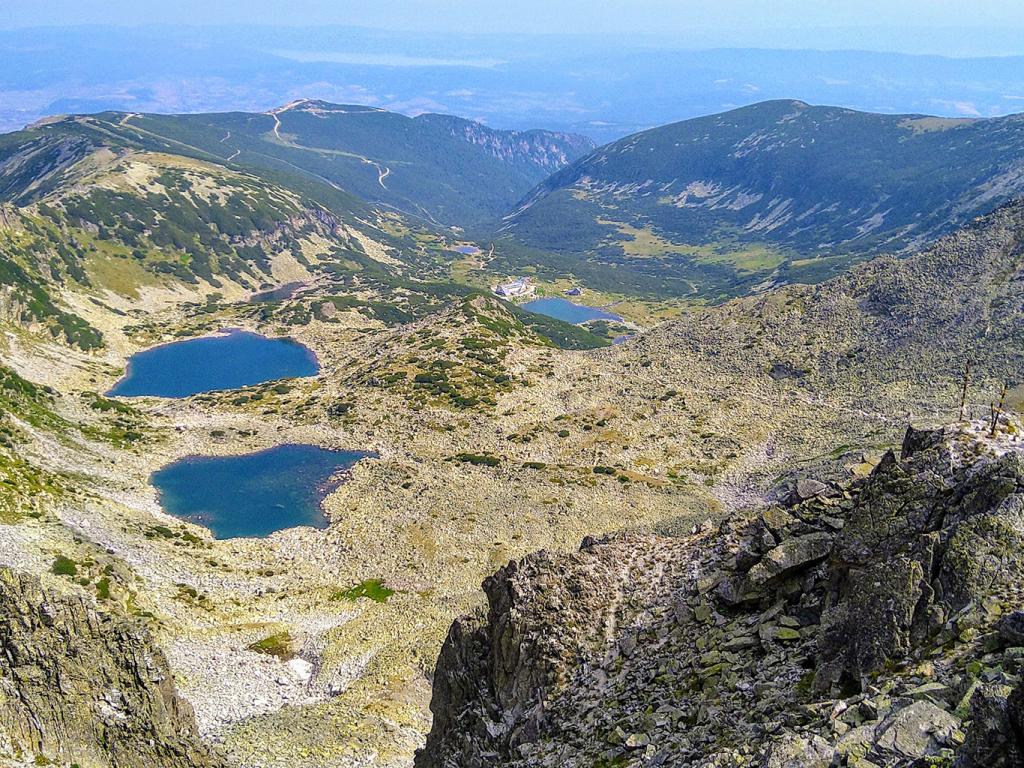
(492, 432)
(775, 192)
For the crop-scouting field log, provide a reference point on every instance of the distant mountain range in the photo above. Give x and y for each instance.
(779, 190)
(602, 86)
(706, 209)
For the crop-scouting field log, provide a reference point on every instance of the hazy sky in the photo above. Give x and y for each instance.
(651, 16)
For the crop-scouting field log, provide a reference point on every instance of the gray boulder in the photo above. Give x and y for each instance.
(790, 556)
(919, 730)
(794, 751)
(1011, 629)
(996, 736)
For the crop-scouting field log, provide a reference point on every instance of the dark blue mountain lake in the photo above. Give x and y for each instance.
(562, 309)
(228, 361)
(255, 494)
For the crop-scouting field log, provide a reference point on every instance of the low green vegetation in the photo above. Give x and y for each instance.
(64, 566)
(103, 588)
(123, 426)
(32, 403)
(477, 459)
(106, 405)
(24, 488)
(278, 645)
(179, 537)
(371, 589)
(32, 290)
(559, 333)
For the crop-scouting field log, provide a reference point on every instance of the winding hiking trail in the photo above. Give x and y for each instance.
(383, 171)
(277, 127)
(237, 151)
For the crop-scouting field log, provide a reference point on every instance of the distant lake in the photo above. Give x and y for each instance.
(466, 250)
(285, 291)
(228, 361)
(562, 309)
(255, 494)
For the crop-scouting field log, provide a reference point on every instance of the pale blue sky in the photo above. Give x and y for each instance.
(651, 16)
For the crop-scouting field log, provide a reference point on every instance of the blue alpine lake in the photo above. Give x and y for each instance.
(255, 494)
(228, 361)
(562, 309)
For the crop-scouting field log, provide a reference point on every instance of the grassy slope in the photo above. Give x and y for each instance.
(444, 169)
(120, 221)
(115, 201)
(777, 189)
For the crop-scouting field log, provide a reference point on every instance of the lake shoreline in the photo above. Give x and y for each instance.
(255, 494)
(568, 311)
(162, 362)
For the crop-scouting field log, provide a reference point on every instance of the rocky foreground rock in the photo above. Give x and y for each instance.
(877, 624)
(87, 688)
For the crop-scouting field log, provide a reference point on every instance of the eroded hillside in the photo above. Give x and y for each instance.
(492, 432)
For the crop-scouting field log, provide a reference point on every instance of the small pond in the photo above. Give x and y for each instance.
(227, 361)
(281, 292)
(562, 309)
(255, 494)
(466, 250)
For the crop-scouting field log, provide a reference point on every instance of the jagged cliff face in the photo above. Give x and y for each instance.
(867, 625)
(88, 688)
(545, 150)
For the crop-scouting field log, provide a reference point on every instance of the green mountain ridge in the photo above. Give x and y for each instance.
(110, 222)
(445, 169)
(116, 202)
(778, 191)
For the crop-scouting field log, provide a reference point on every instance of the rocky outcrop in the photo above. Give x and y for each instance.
(88, 688)
(996, 737)
(909, 321)
(870, 625)
(924, 545)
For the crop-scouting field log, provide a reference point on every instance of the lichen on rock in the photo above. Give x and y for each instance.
(86, 687)
(868, 625)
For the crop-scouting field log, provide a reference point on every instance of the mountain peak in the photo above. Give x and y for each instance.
(779, 191)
